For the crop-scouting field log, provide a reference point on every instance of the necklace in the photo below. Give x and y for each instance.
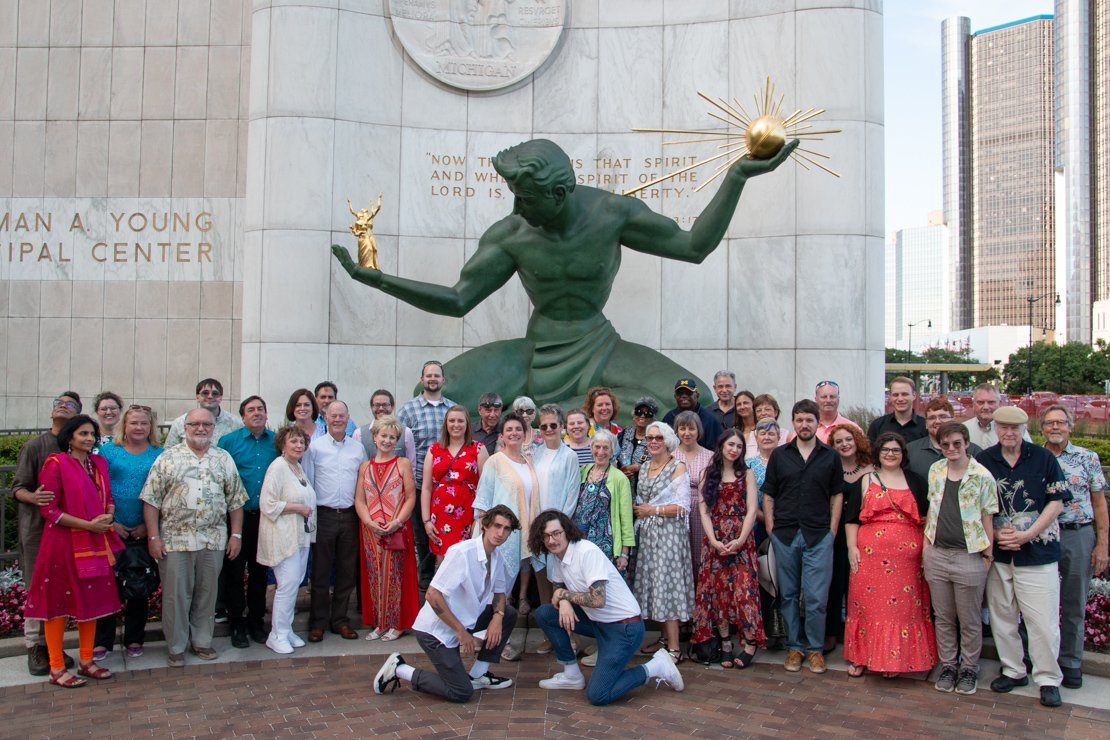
(653, 469)
(297, 472)
(854, 470)
(595, 477)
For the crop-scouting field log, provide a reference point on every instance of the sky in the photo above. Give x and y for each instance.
(912, 88)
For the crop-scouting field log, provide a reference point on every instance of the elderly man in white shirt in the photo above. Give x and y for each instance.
(333, 473)
(592, 599)
(465, 613)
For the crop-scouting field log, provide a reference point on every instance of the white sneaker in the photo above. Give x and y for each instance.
(386, 679)
(668, 671)
(490, 681)
(560, 681)
(590, 660)
(295, 641)
(281, 647)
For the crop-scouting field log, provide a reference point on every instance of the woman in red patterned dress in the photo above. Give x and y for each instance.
(384, 500)
(889, 628)
(447, 495)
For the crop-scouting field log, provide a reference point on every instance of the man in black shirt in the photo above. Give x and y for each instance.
(686, 399)
(802, 501)
(903, 419)
(488, 429)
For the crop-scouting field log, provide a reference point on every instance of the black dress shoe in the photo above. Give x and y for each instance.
(258, 633)
(1073, 679)
(38, 662)
(239, 637)
(1004, 684)
(1050, 696)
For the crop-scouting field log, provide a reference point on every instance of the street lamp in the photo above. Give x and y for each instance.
(1031, 300)
(929, 325)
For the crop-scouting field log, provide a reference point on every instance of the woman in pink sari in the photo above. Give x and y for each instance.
(73, 575)
(384, 499)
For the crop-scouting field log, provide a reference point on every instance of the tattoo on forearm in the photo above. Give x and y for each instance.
(594, 598)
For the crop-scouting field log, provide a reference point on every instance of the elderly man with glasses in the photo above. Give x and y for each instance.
(488, 428)
(210, 393)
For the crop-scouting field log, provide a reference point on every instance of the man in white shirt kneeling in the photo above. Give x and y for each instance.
(466, 596)
(591, 598)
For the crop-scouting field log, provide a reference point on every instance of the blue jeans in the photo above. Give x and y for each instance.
(807, 568)
(616, 643)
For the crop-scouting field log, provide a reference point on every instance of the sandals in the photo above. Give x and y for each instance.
(651, 647)
(391, 635)
(374, 634)
(66, 680)
(744, 658)
(676, 656)
(855, 671)
(93, 671)
(728, 660)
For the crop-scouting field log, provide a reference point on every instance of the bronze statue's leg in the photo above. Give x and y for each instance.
(501, 367)
(635, 370)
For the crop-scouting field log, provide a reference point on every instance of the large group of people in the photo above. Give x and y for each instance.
(728, 531)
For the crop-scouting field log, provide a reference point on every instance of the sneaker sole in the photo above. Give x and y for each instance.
(492, 687)
(390, 665)
(793, 669)
(944, 690)
(561, 686)
(967, 693)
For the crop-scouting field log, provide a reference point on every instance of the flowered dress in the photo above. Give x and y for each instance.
(452, 510)
(888, 627)
(390, 598)
(728, 586)
(695, 466)
(663, 582)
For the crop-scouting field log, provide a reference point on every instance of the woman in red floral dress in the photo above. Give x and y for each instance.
(889, 628)
(447, 493)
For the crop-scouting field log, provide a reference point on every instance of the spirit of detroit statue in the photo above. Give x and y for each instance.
(565, 243)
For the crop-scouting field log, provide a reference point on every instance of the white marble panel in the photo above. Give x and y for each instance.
(241, 164)
(503, 315)
(86, 358)
(191, 80)
(159, 67)
(692, 56)
(874, 278)
(183, 300)
(875, 6)
(306, 3)
(493, 200)
(433, 197)
(24, 298)
(299, 156)
(183, 349)
(371, 7)
(226, 22)
(873, 66)
(30, 153)
(760, 47)
(296, 273)
(23, 355)
(31, 68)
(96, 23)
(155, 166)
(845, 366)
(436, 261)
(766, 371)
(129, 22)
(635, 305)
(251, 259)
(684, 11)
(359, 370)
(582, 13)
(161, 23)
(61, 96)
(618, 13)
(283, 367)
(65, 22)
(151, 343)
(215, 349)
(630, 78)
(127, 83)
(755, 8)
(92, 158)
(221, 155)
(54, 348)
(692, 297)
(124, 146)
(260, 64)
(94, 102)
(501, 110)
(359, 314)
(34, 24)
(831, 57)
(572, 75)
(410, 359)
(367, 162)
(874, 166)
(700, 362)
(88, 298)
(428, 103)
(9, 23)
(365, 44)
(188, 158)
(874, 380)
(61, 158)
(7, 156)
(761, 293)
(120, 342)
(255, 176)
(152, 298)
(192, 22)
(7, 83)
(222, 94)
(836, 205)
(302, 62)
(119, 298)
(831, 279)
(249, 366)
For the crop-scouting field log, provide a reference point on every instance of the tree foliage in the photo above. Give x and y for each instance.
(1072, 368)
(940, 355)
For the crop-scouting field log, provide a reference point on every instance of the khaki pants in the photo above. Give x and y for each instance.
(190, 581)
(1034, 591)
(956, 580)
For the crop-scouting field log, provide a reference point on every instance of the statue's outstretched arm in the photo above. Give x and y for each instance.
(485, 272)
(653, 233)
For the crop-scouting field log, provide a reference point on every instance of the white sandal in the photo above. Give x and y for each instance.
(373, 635)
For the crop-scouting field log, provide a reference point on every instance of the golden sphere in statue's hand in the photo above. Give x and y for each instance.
(765, 137)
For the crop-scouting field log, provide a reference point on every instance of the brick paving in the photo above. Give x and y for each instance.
(332, 696)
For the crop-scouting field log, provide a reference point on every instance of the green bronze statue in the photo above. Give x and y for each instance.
(565, 243)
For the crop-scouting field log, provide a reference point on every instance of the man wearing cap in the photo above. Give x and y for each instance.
(489, 417)
(903, 419)
(686, 399)
(1083, 528)
(1024, 576)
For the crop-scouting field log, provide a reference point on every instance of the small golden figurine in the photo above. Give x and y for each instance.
(363, 228)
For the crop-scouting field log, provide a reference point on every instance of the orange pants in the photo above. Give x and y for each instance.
(54, 631)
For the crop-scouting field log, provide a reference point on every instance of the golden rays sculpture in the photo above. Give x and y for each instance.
(760, 136)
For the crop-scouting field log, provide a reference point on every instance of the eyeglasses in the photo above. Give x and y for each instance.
(489, 406)
(653, 437)
(553, 535)
(548, 427)
(644, 413)
(68, 404)
(199, 424)
(210, 394)
(890, 451)
(138, 407)
(1055, 423)
(383, 406)
(529, 412)
(823, 383)
(108, 409)
(955, 444)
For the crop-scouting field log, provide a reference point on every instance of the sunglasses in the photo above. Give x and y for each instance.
(548, 427)
(68, 404)
(823, 383)
(644, 413)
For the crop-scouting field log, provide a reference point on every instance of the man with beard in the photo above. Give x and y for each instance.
(802, 502)
(686, 399)
(424, 415)
(192, 496)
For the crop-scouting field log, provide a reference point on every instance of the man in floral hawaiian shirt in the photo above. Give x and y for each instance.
(1025, 577)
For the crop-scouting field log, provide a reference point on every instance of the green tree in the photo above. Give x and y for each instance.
(940, 355)
(1074, 368)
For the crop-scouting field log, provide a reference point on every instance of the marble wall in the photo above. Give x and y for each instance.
(110, 108)
(794, 295)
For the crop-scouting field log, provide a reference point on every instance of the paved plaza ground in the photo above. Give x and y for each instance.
(325, 691)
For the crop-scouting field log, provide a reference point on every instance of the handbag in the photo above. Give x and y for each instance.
(395, 541)
(136, 572)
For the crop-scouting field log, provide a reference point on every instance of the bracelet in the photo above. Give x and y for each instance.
(236, 535)
(502, 612)
(154, 537)
(656, 511)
